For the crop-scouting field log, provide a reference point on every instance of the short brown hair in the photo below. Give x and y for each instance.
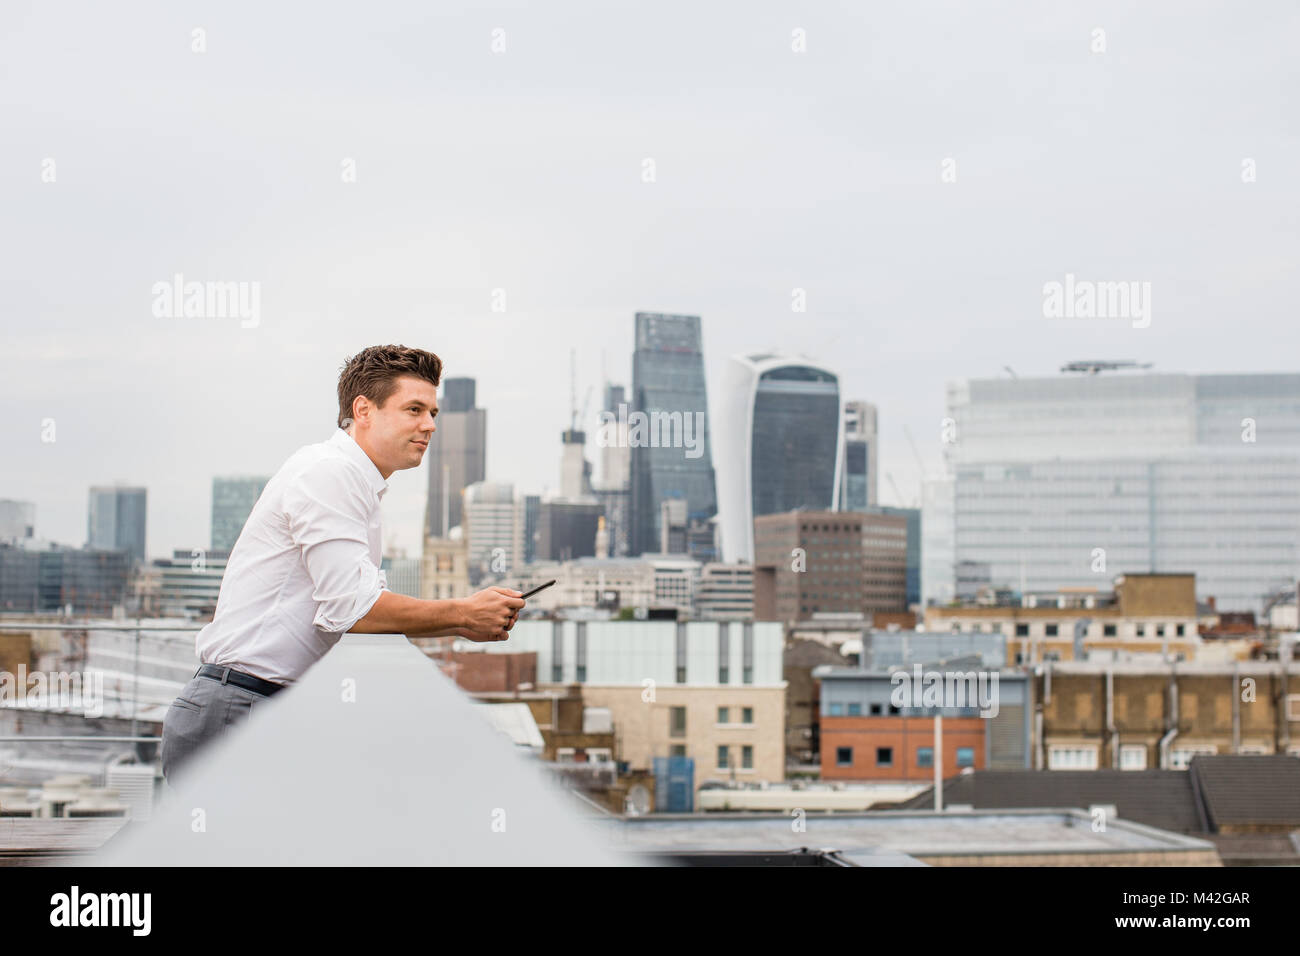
(373, 372)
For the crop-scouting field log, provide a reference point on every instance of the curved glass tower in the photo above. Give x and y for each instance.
(782, 444)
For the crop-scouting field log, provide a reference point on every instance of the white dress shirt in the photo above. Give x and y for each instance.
(305, 568)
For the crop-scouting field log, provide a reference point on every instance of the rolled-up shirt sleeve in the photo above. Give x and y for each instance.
(328, 515)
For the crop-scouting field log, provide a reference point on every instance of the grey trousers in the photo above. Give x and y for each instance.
(202, 712)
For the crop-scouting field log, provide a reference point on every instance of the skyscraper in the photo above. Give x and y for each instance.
(1070, 481)
(116, 520)
(232, 502)
(17, 519)
(670, 454)
(457, 454)
(858, 488)
(780, 446)
(613, 490)
(491, 530)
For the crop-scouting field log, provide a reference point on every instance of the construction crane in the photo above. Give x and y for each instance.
(897, 494)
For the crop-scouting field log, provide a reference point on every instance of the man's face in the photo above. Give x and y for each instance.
(397, 434)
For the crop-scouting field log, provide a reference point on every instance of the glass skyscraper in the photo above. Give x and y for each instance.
(457, 454)
(116, 520)
(671, 457)
(782, 444)
(232, 502)
(1070, 481)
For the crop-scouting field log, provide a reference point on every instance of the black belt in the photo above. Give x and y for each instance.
(228, 675)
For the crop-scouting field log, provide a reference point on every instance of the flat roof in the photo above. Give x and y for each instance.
(906, 832)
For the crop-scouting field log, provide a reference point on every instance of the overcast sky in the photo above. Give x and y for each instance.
(523, 170)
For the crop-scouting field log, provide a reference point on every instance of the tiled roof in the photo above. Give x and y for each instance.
(1262, 790)
(1158, 798)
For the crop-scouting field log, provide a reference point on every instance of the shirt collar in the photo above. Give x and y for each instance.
(355, 452)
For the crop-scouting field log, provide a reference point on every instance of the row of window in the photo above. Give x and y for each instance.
(1134, 756)
(924, 757)
(1054, 630)
(854, 709)
(746, 757)
(677, 719)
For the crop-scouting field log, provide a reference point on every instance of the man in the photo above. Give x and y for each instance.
(305, 569)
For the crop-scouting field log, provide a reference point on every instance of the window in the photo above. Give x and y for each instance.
(1072, 758)
(965, 756)
(894, 710)
(724, 715)
(837, 710)
(1293, 706)
(1108, 630)
(875, 709)
(747, 757)
(1181, 630)
(1181, 757)
(925, 756)
(855, 710)
(884, 756)
(723, 759)
(747, 715)
(844, 756)
(1052, 630)
(1022, 630)
(677, 750)
(1132, 757)
(1160, 630)
(1020, 657)
(677, 722)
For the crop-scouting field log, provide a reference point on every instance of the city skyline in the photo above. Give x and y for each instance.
(763, 184)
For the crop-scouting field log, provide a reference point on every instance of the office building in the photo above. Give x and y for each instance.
(884, 561)
(491, 531)
(402, 574)
(191, 582)
(575, 469)
(232, 502)
(444, 569)
(457, 454)
(861, 449)
(865, 735)
(781, 447)
(669, 438)
(17, 519)
(1141, 615)
(37, 576)
(117, 520)
(725, 592)
(808, 562)
(1064, 482)
(567, 529)
(717, 698)
(912, 571)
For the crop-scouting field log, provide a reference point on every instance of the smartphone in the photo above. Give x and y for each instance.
(542, 587)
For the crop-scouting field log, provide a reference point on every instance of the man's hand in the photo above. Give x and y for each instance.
(490, 614)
